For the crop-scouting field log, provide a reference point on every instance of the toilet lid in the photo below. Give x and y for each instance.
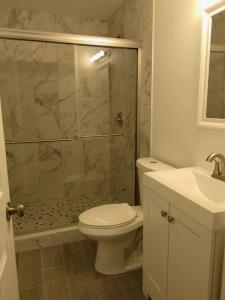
(108, 216)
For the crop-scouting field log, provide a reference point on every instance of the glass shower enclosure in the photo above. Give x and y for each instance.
(69, 115)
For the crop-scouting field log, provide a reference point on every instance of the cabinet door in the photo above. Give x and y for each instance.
(190, 253)
(155, 245)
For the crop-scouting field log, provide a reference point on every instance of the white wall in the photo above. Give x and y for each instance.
(176, 139)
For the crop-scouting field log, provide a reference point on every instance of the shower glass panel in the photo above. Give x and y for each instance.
(70, 129)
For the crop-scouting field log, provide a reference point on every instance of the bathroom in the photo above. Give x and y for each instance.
(93, 96)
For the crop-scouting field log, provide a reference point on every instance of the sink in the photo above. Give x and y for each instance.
(196, 183)
(212, 190)
(194, 191)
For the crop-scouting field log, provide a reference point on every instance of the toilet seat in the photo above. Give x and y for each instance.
(105, 233)
(108, 216)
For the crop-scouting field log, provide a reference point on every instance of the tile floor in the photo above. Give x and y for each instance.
(67, 273)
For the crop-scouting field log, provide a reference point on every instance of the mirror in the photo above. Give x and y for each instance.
(212, 81)
(215, 107)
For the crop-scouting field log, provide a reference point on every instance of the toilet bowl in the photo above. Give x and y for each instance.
(115, 228)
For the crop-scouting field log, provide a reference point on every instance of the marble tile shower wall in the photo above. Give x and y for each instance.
(216, 87)
(133, 20)
(216, 91)
(51, 22)
(51, 91)
(123, 99)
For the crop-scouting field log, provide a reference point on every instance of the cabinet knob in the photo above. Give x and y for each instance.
(171, 219)
(164, 213)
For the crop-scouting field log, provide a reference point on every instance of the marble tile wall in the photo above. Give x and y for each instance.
(133, 20)
(53, 91)
(218, 28)
(51, 22)
(123, 99)
(216, 86)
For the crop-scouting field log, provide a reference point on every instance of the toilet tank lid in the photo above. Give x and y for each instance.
(149, 164)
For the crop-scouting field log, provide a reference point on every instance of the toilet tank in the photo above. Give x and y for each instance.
(149, 164)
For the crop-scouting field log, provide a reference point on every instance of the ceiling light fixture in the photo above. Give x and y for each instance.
(100, 55)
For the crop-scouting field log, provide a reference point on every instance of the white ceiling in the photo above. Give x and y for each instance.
(102, 9)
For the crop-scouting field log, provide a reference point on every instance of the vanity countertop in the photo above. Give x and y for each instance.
(192, 190)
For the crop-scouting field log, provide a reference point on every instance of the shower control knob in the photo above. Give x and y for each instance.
(171, 219)
(164, 213)
(10, 210)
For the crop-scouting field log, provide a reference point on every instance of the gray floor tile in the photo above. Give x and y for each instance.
(32, 294)
(107, 288)
(82, 288)
(57, 290)
(55, 274)
(17, 259)
(140, 273)
(89, 249)
(55, 284)
(75, 280)
(76, 264)
(52, 257)
(29, 269)
(131, 285)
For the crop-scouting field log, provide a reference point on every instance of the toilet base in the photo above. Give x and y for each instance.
(119, 249)
(111, 258)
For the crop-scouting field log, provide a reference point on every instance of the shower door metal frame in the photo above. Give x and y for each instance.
(74, 39)
(51, 37)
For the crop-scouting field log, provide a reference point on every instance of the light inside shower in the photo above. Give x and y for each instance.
(99, 55)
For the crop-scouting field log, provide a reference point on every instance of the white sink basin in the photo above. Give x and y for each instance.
(194, 191)
(211, 190)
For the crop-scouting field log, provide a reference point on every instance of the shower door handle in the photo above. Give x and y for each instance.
(120, 119)
(17, 210)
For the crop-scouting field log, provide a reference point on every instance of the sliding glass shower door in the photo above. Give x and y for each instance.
(69, 115)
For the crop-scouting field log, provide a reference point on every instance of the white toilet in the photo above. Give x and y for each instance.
(114, 227)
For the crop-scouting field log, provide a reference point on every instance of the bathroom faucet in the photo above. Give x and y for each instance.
(219, 171)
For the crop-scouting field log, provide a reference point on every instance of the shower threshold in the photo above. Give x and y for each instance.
(47, 238)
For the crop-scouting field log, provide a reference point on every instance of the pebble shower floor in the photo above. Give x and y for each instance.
(57, 213)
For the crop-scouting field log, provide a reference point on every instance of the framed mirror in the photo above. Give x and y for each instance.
(211, 110)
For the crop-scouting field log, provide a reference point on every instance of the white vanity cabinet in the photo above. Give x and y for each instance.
(178, 253)
(156, 236)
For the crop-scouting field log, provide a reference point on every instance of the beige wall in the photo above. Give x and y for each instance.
(176, 138)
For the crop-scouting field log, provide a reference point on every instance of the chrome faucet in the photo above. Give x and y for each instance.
(219, 171)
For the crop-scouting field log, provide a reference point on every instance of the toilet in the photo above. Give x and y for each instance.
(115, 227)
